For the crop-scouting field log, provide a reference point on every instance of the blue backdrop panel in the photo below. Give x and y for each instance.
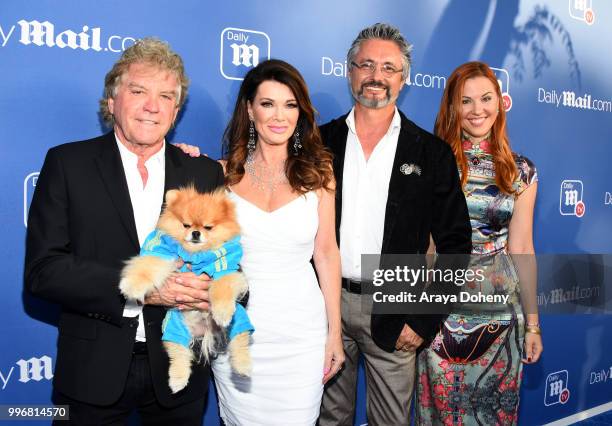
(551, 57)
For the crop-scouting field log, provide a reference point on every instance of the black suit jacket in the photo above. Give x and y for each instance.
(417, 206)
(81, 229)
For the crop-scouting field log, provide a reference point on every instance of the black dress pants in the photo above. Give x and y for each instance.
(138, 396)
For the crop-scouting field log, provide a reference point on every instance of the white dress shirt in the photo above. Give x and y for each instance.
(365, 186)
(146, 204)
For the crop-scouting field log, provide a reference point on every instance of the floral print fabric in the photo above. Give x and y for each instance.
(471, 372)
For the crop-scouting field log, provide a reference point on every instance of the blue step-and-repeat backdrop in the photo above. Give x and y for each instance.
(553, 59)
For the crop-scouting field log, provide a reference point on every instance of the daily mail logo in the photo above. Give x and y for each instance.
(45, 34)
(503, 79)
(33, 369)
(556, 390)
(29, 184)
(242, 50)
(582, 10)
(570, 198)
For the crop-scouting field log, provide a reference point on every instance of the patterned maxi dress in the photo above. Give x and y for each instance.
(471, 372)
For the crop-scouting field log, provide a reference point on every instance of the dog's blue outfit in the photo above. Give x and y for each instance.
(214, 263)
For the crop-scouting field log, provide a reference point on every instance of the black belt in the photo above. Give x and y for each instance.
(140, 348)
(356, 287)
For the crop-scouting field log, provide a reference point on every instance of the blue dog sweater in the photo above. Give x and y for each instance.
(214, 263)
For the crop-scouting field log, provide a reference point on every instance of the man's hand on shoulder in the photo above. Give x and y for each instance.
(191, 150)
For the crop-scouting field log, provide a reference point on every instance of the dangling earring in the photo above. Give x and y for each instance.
(251, 143)
(297, 144)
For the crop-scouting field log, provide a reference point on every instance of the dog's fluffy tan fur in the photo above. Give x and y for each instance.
(199, 222)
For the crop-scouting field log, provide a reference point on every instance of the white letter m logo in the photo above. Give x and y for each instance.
(556, 387)
(245, 55)
(35, 369)
(571, 197)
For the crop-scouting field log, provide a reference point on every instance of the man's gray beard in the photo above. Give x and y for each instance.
(373, 103)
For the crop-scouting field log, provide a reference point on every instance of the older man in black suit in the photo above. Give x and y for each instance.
(396, 185)
(94, 204)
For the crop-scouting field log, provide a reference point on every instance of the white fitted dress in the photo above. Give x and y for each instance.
(287, 309)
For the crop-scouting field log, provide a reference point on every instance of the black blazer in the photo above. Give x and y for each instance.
(81, 229)
(417, 206)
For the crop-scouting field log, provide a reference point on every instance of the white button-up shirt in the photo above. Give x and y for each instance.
(146, 204)
(365, 186)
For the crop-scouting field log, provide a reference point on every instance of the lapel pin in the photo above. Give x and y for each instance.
(408, 169)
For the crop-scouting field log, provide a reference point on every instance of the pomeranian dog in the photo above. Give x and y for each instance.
(202, 231)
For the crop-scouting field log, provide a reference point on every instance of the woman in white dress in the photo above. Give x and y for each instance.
(280, 177)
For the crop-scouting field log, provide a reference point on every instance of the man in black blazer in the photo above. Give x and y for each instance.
(396, 185)
(95, 202)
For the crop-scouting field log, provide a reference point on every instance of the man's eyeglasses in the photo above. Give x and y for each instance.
(369, 67)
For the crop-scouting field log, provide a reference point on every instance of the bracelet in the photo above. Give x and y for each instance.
(535, 324)
(533, 330)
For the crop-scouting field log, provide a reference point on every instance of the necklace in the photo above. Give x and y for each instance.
(473, 139)
(265, 178)
(479, 145)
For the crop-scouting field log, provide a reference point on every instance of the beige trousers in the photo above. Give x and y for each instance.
(389, 376)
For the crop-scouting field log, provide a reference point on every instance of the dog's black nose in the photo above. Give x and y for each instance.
(195, 235)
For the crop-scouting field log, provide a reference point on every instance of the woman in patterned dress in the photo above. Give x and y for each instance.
(471, 372)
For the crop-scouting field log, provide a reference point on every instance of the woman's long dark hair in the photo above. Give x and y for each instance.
(311, 169)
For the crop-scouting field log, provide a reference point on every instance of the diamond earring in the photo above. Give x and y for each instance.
(252, 141)
(297, 143)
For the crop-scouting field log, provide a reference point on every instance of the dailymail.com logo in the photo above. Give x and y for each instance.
(242, 50)
(582, 10)
(29, 184)
(503, 79)
(36, 33)
(571, 198)
(556, 390)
